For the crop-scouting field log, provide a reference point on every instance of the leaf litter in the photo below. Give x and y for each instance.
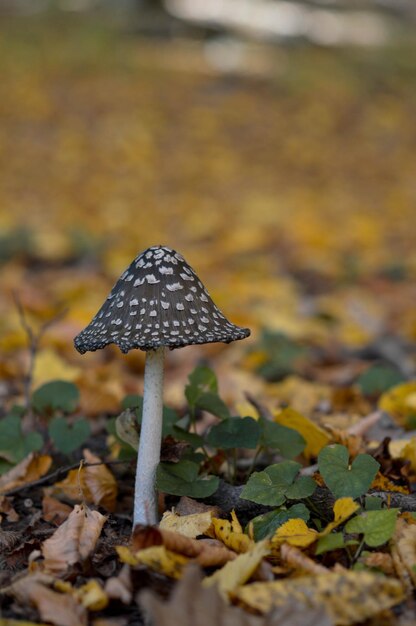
(333, 541)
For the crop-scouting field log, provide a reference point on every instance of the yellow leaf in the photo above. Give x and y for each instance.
(189, 525)
(409, 453)
(50, 366)
(348, 597)
(163, 561)
(302, 395)
(296, 533)
(315, 436)
(247, 409)
(126, 555)
(343, 509)
(224, 531)
(400, 402)
(237, 572)
(92, 596)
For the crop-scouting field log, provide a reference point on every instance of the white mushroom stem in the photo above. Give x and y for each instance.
(145, 498)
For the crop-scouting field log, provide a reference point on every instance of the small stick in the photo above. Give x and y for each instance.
(33, 340)
(261, 408)
(61, 471)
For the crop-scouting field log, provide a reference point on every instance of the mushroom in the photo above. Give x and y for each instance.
(158, 302)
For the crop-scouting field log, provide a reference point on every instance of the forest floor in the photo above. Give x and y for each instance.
(289, 186)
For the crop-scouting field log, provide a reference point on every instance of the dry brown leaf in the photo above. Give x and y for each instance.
(60, 609)
(299, 561)
(74, 540)
(7, 509)
(54, 511)
(404, 542)
(189, 506)
(92, 484)
(120, 587)
(193, 605)
(348, 597)
(100, 482)
(205, 552)
(381, 561)
(31, 468)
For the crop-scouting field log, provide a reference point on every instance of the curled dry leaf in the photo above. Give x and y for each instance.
(188, 525)
(191, 604)
(54, 511)
(204, 552)
(31, 468)
(381, 561)
(404, 542)
(60, 609)
(74, 540)
(92, 484)
(7, 509)
(348, 597)
(299, 561)
(189, 506)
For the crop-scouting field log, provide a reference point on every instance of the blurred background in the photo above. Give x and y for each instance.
(271, 142)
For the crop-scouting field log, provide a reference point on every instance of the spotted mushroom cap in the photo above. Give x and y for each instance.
(157, 301)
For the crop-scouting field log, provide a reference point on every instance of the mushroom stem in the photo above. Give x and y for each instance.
(145, 499)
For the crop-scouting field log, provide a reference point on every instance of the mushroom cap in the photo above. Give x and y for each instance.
(158, 301)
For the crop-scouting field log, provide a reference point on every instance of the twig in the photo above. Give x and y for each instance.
(61, 471)
(262, 409)
(33, 346)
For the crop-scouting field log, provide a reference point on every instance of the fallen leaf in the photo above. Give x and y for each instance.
(404, 541)
(192, 604)
(120, 587)
(60, 609)
(296, 533)
(299, 561)
(207, 554)
(18, 622)
(348, 597)
(7, 509)
(237, 572)
(188, 525)
(381, 561)
(315, 436)
(161, 560)
(74, 540)
(50, 366)
(343, 509)
(30, 469)
(92, 484)
(231, 534)
(54, 511)
(400, 402)
(301, 395)
(92, 596)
